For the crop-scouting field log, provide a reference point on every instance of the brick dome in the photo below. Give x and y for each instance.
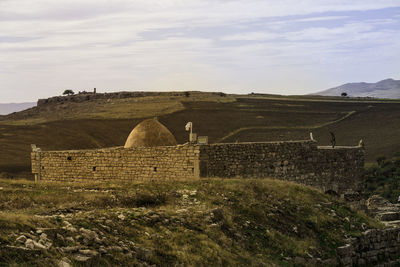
(150, 133)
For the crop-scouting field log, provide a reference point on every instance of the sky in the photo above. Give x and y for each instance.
(262, 46)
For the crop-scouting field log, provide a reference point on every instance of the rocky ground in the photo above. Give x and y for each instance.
(205, 222)
(383, 210)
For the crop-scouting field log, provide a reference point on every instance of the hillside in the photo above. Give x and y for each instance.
(7, 108)
(224, 118)
(388, 88)
(190, 223)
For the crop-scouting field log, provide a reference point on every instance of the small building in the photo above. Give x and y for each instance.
(150, 133)
(151, 153)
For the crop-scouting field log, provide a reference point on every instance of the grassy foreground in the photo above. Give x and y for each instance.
(208, 222)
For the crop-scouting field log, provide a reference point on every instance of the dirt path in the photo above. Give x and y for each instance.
(233, 133)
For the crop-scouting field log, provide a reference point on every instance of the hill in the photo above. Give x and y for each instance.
(106, 122)
(207, 222)
(14, 107)
(388, 88)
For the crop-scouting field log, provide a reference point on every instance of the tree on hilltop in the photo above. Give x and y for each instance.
(68, 92)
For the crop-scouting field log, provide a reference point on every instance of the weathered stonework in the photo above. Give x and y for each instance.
(373, 248)
(141, 163)
(339, 170)
(89, 96)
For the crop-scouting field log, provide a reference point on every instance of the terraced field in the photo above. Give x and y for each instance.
(223, 118)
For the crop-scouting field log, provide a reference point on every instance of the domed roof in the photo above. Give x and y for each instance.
(150, 133)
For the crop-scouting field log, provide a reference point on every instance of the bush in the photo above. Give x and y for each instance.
(68, 92)
(384, 178)
(380, 160)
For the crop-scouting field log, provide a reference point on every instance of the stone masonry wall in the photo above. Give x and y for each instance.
(88, 96)
(339, 169)
(144, 163)
(373, 248)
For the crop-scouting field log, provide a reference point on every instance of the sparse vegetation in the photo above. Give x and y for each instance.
(383, 178)
(105, 123)
(68, 92)
(195, 222)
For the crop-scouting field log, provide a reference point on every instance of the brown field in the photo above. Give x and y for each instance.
(96, 124)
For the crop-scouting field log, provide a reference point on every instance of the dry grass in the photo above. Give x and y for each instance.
(125, 108)
(194, 222)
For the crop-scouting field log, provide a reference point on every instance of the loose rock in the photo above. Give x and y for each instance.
(29, 244)
(21, 239)
(81, 258)
(64, 262)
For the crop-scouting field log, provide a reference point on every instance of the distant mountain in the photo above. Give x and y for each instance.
(388, 88)
(14, 107)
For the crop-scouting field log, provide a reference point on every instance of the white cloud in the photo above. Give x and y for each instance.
(251, 36)
(321, 18)
(80, 44)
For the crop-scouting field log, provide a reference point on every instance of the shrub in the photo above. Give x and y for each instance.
(380, 160)
(68, 92)
(384, 178)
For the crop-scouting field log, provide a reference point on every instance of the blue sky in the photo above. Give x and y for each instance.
(269, 46)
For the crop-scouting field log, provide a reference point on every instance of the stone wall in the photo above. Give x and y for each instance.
(339, 170)
(374, 248)
(82, 97)
(88, 96)
(143, 163)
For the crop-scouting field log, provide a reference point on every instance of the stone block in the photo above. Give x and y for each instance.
(345, 250)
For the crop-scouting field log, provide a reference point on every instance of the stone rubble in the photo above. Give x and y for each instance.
(84, 244)
(384, 211)
(374, 248)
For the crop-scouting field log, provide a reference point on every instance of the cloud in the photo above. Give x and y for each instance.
(164, 44)
(322, 18)
(251, 36)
